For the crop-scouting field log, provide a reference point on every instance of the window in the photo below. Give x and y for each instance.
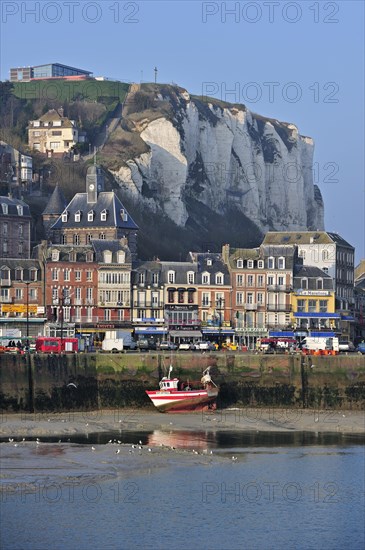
(19, 274)
(107, 314)
(32, 293)
(260, 298)
(260, 280)
(325, 269)
(88, 238)
(249, 280)
(271, 263)
(54, 272)
(239, 280)
(319, 284)
(67, 275)
(55, 144)
(102, 236)
(5, 228)
(36, 146)
(155, 278)
(281, 281)
(55, 132)
(205, 278)
(90, 215)
(190, 277)
(36, 133)
(5, 208)
(249, 297)
(120, 257)
(304, 284)
(239, 263)
(20, 209)
(239, 298)
(54, 294)
(249, 264)
(171, 277)
(107, 257)
(20, 248)
(219, 279)
(21, 230)
(55, 255)
(171, 296)
(89, 275)
(301, 306)
(77, 275)
(323, 306)
(76, 239)
(33, 274)
(312, 306)
(302, 254)
(103, 215)
(89, 294)
(205, 299)
(78, 216)
(270, 280)
(18, 293)
(89, 256)
(325, 255)
(123, 214)
(141, 278)
(180, 296)
(64, 216)
(260, 264)
(64, 239)
(281, 263)
(209, 261)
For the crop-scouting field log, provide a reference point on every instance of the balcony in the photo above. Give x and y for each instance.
(279, 288)
(151, 305)
(114, 304)
(5, 282)
(250, 307)
(279, 307)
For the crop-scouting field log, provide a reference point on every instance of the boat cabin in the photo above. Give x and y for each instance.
(169, 383)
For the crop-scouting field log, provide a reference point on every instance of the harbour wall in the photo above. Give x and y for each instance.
(40, 382)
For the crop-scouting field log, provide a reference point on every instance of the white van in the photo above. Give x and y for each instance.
(316, 343)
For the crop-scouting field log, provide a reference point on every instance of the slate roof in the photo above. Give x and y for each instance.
(106, 200)
(65, 251)
(303, 237)
(100, 246)
(312, 274)
(57, 203)
(12, 207)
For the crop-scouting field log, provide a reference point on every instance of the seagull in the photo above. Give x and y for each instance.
(150, 450)
(140, 442)
(15, 444)
(11, 440)
(93, 448)
(234, 458)
(117, 452)
(139, 447)
(72, 384)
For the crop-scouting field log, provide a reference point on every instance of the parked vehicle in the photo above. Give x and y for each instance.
(48, 344)
(361, 348)
(315, 343)
(203, 345)
(118, 340)
(186, 346)
(146, 344)
(346, 345)
(165, 345)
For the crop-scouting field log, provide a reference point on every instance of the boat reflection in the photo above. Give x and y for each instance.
(182, 439)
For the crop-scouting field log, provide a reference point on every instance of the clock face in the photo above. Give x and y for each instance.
(91, 187)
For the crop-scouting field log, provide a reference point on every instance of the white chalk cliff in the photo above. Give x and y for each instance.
(225, 157)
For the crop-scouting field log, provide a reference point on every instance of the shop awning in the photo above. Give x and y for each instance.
(186, 333)
(317, 315)
(150, 330)
(218, 331)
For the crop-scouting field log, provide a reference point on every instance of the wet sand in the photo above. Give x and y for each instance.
(240, 420)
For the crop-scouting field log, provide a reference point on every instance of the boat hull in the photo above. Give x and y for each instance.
(183, 401)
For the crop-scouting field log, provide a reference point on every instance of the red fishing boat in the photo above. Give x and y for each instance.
(173, 397)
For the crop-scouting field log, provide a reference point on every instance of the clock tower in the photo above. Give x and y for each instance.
(94, 183)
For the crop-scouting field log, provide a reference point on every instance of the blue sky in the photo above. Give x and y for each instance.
(300, 62)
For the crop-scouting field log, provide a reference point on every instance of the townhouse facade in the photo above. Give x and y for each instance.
(53, 134)
(15, 228)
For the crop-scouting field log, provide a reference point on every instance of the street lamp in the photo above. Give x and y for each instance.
(220, 301)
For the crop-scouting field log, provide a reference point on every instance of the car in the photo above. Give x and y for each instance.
(143, 344)
(345, 345)
(186, 346)
(361, 348)
(165, 345)
(203, 346)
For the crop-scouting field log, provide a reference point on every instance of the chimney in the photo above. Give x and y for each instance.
(60, 111)
(225, 253)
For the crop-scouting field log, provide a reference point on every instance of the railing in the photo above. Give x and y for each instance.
(250, 307)
(113, 304)
(279, 307)
(150, 305)
(279, 288)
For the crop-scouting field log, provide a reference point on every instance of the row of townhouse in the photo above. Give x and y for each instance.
(241, 294)
(86, 278)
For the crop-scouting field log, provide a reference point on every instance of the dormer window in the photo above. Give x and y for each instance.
(281, 263)
(219, 279)
(205, 278)
(36, 123)
(141, 278)
(107, 257)
(271, 263)
(120, 257)
(55, 255)
(72, 256)
(260, 264)
(240, 263)
(209, 261)
(5, 208)
(123, 214)
(171, 277)
(20, 209)
(78, 216)
(304, 284)
(190, 277)
(155, 278)
(65, 216)
(249, 264)
(319, 284)
(89, 256)
(103, 215)
(90, 215)
(33, 274)
(19, 274)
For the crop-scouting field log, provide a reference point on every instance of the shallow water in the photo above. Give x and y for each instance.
(256, 491)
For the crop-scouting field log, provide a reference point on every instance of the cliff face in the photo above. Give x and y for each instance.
(221, 156)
